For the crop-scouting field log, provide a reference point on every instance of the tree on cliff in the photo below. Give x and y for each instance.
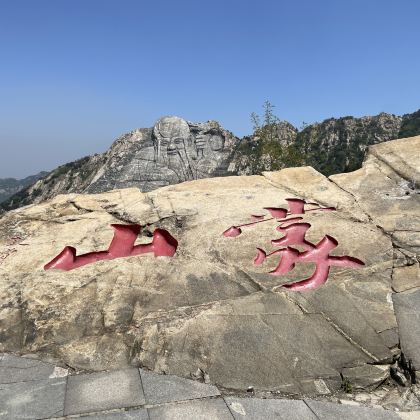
(264, 151)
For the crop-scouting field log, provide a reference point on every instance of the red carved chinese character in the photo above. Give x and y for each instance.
(296, 206)
(122, 245)
(294, 234)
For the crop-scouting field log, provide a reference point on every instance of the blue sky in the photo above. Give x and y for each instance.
(75, 74)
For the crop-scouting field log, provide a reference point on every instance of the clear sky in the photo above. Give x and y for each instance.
(75, 74)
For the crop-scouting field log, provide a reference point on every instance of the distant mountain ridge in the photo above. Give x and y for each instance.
(176, 150)
(332, 146)
(10, 186)
(345, 140)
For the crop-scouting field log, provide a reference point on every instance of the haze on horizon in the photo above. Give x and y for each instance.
(75, 75)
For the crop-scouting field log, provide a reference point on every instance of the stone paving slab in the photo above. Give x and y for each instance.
(103, 391)
(208, 409)
(137, 414)
(32, 399)
(269, 409)
(164, 397)
(160, 389)
(21, 369)
(331, 411)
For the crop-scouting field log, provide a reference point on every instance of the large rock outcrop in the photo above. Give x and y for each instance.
(209, 308)
(173, 151)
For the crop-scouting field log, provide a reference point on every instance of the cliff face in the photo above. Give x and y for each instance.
(176, 150)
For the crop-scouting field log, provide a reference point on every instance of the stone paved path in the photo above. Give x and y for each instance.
(31, 389)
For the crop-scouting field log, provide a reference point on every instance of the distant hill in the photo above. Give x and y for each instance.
(10, 186)
(176, 150)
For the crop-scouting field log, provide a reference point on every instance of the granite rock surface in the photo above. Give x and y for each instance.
(209, 310)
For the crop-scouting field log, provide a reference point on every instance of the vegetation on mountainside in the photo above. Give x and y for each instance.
(339, 145)
(263, 151)
(410, 125)
(346, 153)
(78, 166)
(332, 146)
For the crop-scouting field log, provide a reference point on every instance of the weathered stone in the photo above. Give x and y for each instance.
(32, 400)
(402, 156)
(356, 306)
(363, 377)
(266, 409)
(409, 240)
(160, 389)
(214, 409)
(385, 188)
(19, 369)
(390, 337)
(410, 415)
(136, 414)
(103, 391)
(404, 278)
(329, 411)
(407, 309)
(232, 350)
(96, 352)
(308, 183)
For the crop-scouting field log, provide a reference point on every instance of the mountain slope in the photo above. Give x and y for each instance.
(338, 145)
(11, 186)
